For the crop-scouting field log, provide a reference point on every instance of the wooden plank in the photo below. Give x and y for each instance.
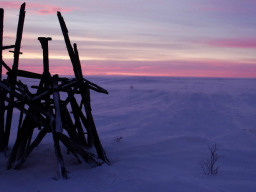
(78, 149)
(7, 47)
(68, 124)
(22, 143)
(33, 145)
(95, 87)
(5, 65)
(68, 45)
(76, 114)
(85, 92)
(1, 38)
(56, 99)
(18, 38)
(28, 74)
(60, 161)
(2, 104)
(13, 76)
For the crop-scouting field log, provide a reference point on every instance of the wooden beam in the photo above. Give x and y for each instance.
(44, 43)
(1, 38)
(13, 75)
(2, 104)
(70, 50)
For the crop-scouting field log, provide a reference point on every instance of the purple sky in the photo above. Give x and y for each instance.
(140, 37)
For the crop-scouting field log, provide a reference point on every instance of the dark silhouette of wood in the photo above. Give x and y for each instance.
(22, 144)
(84, 89)
(45, 110)
(44, 43)
(1, 39)
(12, 77)
(2, 105)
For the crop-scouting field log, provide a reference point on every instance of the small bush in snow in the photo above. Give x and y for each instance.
(209, 165)
(118, 139)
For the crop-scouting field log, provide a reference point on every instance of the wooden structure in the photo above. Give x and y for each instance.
(45, 110)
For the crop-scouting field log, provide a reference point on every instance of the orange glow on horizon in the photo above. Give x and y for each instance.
(176, 68)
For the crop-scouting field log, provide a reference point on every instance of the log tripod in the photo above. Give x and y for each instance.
(45, 110)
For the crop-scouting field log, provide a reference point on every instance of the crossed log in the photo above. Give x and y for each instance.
(45, 110)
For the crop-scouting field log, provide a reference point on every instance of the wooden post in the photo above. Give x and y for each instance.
(18, 39)
(1, 39)
(46, 77)
(76, 114)
(84, 90)
(56, 100)
(44, 43)
(2, 105)
(57, 129)
(13, 74)
(77, 70)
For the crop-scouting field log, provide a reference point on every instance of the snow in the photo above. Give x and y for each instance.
(155, 131)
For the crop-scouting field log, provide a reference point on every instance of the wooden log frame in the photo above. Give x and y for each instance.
(39, 116)
(45, 110)
(26, 127)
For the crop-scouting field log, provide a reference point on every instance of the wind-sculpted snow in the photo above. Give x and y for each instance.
(155, 132)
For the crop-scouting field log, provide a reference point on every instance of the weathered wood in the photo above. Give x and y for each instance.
(5, 65)
(37, 140)
(60, 160)
(18, 38)
(26, 126)
(1, 38)
(2, 104)
(22, 142)
(33, 145)
(44, 43)
(13, 76)
(77, 63)
(85, 91)
(73, 57)
(95, 87)
(45, 110)
(75, 111)
(56, 99)
(25, 145)
(7, 47)
(68, 124)
(28, 74)
(79, 150)
(19, 105)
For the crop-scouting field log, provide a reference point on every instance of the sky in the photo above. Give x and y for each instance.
(185, 38)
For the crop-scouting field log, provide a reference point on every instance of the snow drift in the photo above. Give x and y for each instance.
(155, 131)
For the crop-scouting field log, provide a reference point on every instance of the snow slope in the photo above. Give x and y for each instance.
(155, 132)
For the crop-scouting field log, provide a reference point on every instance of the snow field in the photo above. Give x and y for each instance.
(155, 131)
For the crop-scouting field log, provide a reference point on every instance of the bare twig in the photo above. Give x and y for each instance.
(208, 165)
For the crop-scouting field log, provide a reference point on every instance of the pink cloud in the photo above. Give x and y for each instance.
(10, 5)
(232, 43)
(228, 6)
(181, 68)
(41, 9)
(37, 8)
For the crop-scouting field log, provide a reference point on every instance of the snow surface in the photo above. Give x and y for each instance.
(155, 131)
